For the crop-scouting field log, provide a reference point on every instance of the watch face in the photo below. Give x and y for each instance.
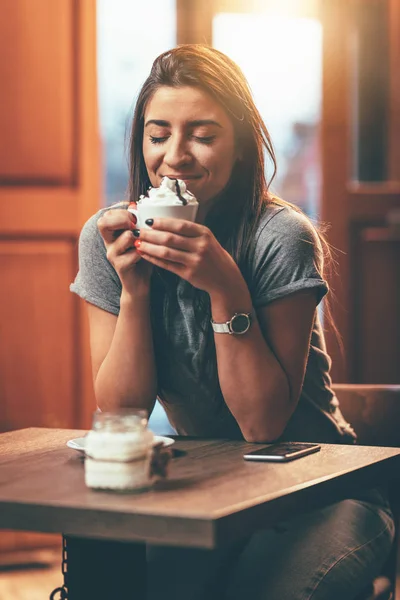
(240, 323)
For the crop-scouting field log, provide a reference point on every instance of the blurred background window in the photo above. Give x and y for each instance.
(125, 53)
(281, 57)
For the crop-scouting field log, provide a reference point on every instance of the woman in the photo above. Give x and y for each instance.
(155, 295)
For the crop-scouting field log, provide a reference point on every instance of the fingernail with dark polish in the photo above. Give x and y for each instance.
(149, 222)
(136, 232)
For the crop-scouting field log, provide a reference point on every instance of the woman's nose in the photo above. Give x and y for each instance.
(177, 153)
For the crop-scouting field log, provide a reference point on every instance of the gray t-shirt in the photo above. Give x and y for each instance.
(286, 258)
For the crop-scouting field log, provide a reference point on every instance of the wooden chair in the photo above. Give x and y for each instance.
(374, 412)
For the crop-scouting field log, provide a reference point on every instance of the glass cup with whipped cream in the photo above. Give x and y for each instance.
(119, 451)
(172, 199)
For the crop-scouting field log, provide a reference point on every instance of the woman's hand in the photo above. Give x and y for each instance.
(190, 251)
(116, 227)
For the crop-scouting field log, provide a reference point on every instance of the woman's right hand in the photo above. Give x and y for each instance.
(116, 228)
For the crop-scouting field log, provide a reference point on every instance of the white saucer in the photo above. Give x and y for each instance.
(79, 443)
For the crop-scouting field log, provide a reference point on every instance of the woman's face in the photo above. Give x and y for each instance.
(188, 135)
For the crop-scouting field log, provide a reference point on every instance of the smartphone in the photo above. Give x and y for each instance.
(283, 451)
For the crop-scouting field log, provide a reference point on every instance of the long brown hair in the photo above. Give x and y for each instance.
(236, 213)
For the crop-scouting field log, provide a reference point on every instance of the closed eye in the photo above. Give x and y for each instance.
(158, 140)
(205, 140)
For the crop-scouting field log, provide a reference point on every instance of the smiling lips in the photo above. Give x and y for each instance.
(183, 177)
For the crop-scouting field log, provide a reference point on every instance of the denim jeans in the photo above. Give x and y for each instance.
(323, 555)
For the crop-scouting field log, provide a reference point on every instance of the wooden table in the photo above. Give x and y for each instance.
(212, 496)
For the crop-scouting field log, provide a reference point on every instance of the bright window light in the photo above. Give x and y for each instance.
(281, 57)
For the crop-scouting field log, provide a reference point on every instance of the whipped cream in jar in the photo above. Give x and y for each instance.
(119, 450)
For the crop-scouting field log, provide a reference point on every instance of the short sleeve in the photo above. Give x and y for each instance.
(288, 257)
(97, 281)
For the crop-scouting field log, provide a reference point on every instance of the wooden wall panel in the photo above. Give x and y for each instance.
(38, 329)
(37, 85)
(49, 186)
(335, 145)
(15, 540)
(394, 100)
(376, 305)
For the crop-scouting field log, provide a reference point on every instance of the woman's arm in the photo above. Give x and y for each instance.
(261, 372)
(122, 354)
(121, 346)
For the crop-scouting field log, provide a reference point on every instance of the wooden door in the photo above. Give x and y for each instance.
(361, 191)
(49, 185)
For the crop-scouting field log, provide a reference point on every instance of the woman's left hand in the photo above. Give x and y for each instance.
(190, 251)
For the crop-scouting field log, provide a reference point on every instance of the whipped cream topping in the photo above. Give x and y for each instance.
(172, 192)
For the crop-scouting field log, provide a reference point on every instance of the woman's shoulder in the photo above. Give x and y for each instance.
(286, 229)
(288, 255)
(284, 219)
(96, 282)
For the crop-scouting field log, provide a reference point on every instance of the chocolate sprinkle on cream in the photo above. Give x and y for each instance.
(178, 193)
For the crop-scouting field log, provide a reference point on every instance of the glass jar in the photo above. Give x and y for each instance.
(118, 451)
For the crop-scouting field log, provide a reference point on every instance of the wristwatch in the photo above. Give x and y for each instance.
(239, 324)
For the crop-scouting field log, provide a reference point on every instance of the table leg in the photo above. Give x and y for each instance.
(105, 570)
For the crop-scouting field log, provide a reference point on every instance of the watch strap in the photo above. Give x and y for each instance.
(221, 327)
